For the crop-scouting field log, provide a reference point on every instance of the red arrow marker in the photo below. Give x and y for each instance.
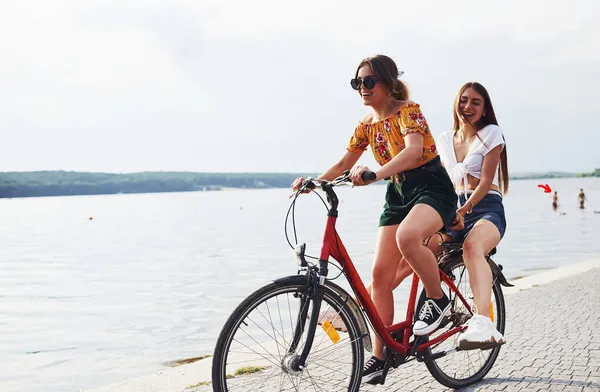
(546, 188)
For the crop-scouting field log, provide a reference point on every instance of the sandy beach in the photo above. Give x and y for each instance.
(196, 376)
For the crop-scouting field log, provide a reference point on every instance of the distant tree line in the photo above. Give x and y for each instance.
(531, 176)
(63, 183)
(595, 173)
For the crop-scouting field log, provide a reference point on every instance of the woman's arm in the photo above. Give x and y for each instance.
(348, 160)
(488, 171)
(405, 159)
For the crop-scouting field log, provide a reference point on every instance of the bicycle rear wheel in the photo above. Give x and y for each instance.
(459, 369)
(267, 332)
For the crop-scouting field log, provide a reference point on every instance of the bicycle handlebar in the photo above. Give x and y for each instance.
(311, 183)
(327, 187)
(369, 176)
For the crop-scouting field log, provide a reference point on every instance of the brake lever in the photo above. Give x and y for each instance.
(343, 179)
(308, 184)
(343, 183)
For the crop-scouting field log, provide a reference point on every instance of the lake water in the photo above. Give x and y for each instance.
(152, 277)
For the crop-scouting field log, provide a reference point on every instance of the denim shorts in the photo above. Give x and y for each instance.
(489, 208)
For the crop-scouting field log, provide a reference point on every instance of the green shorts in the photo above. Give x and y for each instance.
(427, 184)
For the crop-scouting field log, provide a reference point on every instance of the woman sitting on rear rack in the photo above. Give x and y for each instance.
(474, 154)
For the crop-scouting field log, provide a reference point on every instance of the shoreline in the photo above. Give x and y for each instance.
(192, 375)
(218, 187)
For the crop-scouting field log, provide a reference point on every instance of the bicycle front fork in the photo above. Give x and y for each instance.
(314, 294)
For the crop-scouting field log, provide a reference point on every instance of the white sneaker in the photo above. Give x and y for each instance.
(480, 334)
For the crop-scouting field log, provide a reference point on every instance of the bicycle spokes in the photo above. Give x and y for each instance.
(454, 367)
(263, 350)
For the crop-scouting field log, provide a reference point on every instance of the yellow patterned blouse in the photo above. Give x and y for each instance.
(386, 137)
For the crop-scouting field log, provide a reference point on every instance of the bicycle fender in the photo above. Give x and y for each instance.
(360, 317)
(292, 279)
(497, 272)
(345, 297)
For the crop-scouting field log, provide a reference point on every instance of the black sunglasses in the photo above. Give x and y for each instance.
(369, 82)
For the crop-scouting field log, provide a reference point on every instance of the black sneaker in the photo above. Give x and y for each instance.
(430, 315)
(373, 370)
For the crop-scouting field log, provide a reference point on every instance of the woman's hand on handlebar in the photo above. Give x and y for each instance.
(357, 175)
(297, 184)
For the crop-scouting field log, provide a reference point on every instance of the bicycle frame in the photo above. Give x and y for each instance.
(333, 247)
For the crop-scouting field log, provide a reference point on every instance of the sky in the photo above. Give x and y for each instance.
(263, 85)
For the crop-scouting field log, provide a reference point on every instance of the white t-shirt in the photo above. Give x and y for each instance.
(491, 135)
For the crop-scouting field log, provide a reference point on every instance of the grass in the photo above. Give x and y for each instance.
(180, 362)
(200, 384)
(240, 372)
(246, 370)
(249, 370)
(539, 269)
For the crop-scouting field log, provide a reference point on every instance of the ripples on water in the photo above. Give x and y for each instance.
(152, 277)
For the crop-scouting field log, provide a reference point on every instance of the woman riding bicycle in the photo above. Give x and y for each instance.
(474, 154)
(420, 199)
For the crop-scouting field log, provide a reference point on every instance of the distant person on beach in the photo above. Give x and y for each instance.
(555, 201)
(474, 154)
(582, 199)
(418, 202)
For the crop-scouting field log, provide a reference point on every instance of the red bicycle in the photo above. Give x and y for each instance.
(278, 340)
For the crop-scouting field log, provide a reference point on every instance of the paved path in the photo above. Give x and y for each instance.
(553, 343)
(553, 334)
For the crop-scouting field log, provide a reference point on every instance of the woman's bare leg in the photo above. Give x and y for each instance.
(482, 238)
(421, 223)
(387, 258)
(404, 269)
(402, 272)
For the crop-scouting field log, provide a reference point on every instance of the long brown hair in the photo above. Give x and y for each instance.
(488, 117)
(387, 72)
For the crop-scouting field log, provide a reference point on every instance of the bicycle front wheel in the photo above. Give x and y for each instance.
(266, 333)
(461, 368)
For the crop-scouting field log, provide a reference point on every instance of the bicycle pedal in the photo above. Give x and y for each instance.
(419, 340)
(394, 359)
